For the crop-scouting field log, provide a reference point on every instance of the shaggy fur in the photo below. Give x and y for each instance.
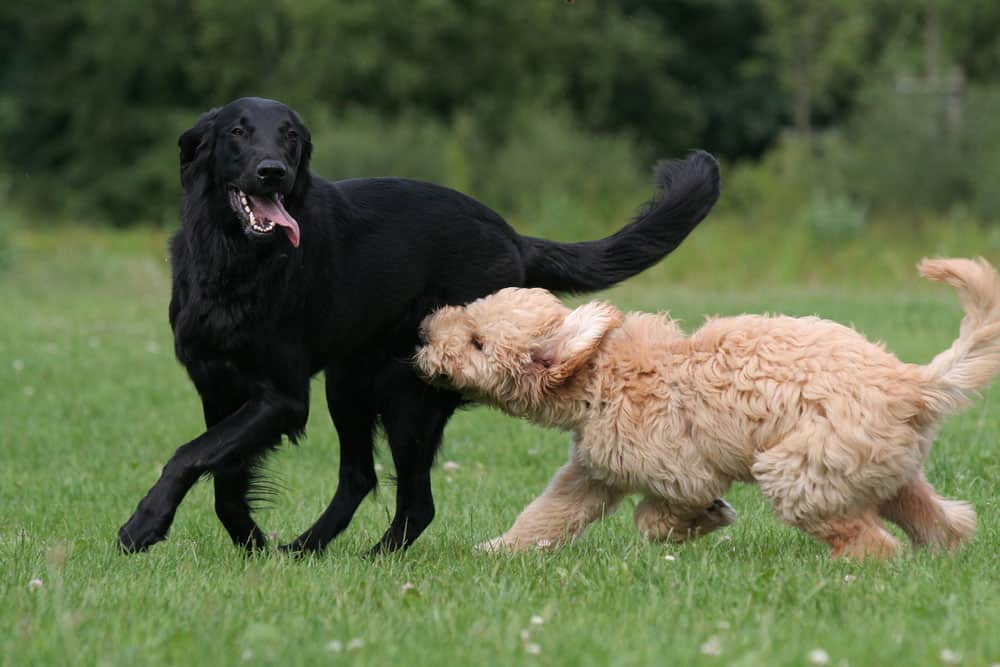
(833, 428)
(279, 274)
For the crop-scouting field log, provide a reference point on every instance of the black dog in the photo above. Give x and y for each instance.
(279, 274)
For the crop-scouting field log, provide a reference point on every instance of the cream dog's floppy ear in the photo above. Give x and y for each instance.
(574, 341)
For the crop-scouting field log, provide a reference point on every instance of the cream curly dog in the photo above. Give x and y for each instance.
(833, 428)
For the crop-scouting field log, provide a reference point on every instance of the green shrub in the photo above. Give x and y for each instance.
(6, 251)
(359, 143)
(546, 172)
(833, 218)
(6, 228)
(561, 176)
(774, 187)
(912, 151)
(985, 178)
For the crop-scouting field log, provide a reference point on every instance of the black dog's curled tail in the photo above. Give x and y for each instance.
(688, 189)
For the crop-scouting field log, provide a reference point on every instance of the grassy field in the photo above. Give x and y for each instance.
(92, 403)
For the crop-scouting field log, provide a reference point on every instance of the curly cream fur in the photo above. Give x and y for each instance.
(833, 428)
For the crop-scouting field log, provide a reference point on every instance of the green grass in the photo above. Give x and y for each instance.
(92, 402)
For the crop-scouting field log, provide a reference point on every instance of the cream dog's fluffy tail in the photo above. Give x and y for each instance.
(973, 360)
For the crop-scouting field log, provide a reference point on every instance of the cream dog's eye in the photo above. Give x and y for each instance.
(477, 343)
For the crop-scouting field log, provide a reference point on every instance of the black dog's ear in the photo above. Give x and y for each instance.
(302, 176)
(196, 145)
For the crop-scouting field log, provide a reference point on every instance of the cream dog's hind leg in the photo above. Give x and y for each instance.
(661, 521)
(928, 519)
(572, 501)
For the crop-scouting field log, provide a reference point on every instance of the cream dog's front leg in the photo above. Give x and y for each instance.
(572, 501)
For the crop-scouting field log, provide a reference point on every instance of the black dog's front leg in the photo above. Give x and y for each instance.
(414, 425)
(354, 417)
(232, 506)
(232, 485)
(241, 436)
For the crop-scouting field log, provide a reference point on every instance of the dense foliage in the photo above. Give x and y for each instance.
(499, 98)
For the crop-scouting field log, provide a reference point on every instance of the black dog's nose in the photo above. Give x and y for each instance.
(271, 170)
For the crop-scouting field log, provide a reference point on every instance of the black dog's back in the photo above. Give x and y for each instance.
(460, 247)
(256, 316)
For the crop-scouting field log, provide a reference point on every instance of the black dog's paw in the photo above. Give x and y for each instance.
(141, 532)
(300, 547)
(292, 548)
(255, 543)
(377, 551)
(389, 544)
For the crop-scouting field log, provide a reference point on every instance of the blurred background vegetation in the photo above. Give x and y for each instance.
(830, 117)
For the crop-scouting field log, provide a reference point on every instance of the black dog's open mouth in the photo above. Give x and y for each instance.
(261, 215)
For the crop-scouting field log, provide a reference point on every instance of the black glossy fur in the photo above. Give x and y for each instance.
(254, 318)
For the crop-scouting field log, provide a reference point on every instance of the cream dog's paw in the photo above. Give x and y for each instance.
(492, 546)
(718, 514)
(511, 544)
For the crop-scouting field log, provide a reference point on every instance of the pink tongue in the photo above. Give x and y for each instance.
(271, 209)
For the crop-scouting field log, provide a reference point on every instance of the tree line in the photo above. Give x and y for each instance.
(94, 93)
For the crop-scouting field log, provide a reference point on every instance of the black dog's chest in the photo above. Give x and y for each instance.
(238, 324)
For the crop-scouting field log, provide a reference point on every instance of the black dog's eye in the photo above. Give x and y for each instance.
(477, 343)
(292, 135)
(238, 131)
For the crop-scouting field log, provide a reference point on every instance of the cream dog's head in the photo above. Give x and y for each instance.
(514, 347)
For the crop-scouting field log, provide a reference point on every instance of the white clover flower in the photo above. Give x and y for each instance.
(712, 647)
(950, 657)
(818, 656)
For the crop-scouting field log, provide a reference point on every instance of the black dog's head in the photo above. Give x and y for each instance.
(255, 153)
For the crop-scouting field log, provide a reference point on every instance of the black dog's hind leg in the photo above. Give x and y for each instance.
(354, 418)
(241, 437)
(414, 423)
